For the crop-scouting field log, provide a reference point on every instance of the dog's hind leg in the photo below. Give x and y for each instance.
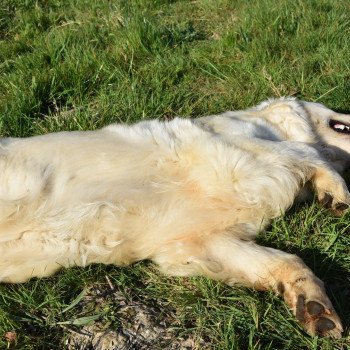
(226, 258)
(21, 260)
(29, 250)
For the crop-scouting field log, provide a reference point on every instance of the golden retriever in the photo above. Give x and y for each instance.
(188, 194)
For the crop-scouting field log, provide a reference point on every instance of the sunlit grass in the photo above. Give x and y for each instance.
(68, 65)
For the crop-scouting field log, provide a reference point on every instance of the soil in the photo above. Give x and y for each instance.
(138, 325)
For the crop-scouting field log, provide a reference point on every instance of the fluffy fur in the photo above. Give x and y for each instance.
(189, 195)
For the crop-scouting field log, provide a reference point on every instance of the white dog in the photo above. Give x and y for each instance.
(189, 195)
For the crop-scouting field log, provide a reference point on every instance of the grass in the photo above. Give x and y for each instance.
(81, 64)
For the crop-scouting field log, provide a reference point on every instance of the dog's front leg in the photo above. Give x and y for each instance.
(226, 258)
(265, 268)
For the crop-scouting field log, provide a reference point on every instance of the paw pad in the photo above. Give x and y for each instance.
(314, 308)
(316, 318)
(324, 325)
(341, 206)
(326, 201)
(337, 209)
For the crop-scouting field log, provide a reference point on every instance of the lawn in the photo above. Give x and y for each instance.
(81, 64)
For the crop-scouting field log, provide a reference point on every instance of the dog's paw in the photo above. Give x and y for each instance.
(337, 208)
(317, 319)
(307, 297)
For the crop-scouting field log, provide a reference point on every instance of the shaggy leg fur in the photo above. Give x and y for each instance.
(330, 187)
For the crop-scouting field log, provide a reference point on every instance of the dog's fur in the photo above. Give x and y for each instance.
(189, 195)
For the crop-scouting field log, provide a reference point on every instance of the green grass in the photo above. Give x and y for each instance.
(80, 64)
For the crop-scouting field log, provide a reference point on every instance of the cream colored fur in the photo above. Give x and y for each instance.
(190, 195)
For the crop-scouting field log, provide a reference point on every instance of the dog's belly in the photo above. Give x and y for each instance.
(93, 197)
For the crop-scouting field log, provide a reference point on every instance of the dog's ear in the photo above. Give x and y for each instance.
(290, 117)
(333, 130)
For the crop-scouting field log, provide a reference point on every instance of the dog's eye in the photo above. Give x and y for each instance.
(339, 126)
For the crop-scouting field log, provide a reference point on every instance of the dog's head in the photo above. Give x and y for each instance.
(334, 131)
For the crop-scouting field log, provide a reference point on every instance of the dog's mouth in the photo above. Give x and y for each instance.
(340, 127)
